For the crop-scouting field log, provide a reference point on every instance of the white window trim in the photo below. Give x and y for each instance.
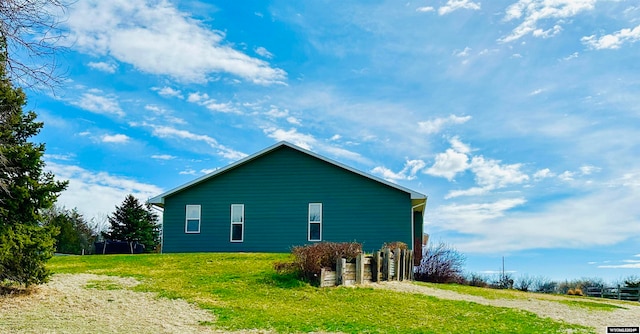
(186, 218)
(241, 223)
(315, 222)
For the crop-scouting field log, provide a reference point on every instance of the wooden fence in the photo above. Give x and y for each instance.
(619, 292)
(384, 265)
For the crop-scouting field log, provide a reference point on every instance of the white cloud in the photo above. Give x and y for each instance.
(566, 176)
(533, 12)
(163, 157)
(187, 172)
(208, 170)
(453, 5)
(169, 132)
(277, 113)
(204, 100)
(118, 138)
(543, 174)
(621, 266)
(168, 92)
(309, 142)
(106, 105)
(487, 228)
(294, 120)
(292, 135)
(479, 212)
(473, 191)
(96, 194)
(448, 164)
(425, 9)
(463, 53)
(411, 168)
(492, 175)
(156, 38)
(103, 66)
(263, 52)
(588, 169)
(613, 41)
(434, 126)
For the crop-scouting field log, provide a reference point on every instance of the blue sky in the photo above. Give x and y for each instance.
(519, 119)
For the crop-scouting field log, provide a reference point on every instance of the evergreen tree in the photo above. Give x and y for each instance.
(25, 245)
(75, 237)
(134, 222)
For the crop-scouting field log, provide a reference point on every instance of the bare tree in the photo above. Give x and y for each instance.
(30, 30)
(440, 264)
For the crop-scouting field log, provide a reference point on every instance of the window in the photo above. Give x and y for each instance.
(315, 221)
(192, 221)
(237, 222)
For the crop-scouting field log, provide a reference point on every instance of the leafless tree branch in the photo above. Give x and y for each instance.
(31, 31)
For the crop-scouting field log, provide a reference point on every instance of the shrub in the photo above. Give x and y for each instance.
(575, 292)
(505, 281)
(395, 245)
(524, 283)
(477, 280)
(632, 282)
(309, 260)
(440, 264)
(544, 285)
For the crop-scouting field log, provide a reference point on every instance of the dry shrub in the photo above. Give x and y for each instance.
(309, 260)
(440, 264)
(395, 245)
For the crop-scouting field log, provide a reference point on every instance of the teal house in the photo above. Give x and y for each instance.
(285, 196)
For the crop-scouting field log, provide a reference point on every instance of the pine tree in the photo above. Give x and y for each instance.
(133, 222)
(25, 189)
(76, 236)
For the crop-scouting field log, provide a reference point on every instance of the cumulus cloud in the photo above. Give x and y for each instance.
(613, 41)
(453, 5)
(99, 104)
(492, 174)
(97, 193)
(449, 164)
(411, 168)
(103, 66)
(157, 38)
(436, 125)
(534, 12)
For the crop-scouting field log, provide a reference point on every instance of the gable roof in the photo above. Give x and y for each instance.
(417, 198)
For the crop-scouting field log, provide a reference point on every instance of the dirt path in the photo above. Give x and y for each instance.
(87, 303)
(544, 307)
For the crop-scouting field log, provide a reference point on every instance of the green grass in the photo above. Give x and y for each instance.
(244, 292)
(595, 306)
(103, 285)
(489, 293)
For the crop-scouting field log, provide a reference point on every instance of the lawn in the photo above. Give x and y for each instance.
(244, 292)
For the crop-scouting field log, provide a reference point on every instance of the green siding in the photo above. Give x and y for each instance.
(276, 189)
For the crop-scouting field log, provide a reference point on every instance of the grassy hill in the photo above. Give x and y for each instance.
(244, 292)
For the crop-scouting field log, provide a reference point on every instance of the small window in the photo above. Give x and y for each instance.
(237, 222)
(315, 221)
(192, 221)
